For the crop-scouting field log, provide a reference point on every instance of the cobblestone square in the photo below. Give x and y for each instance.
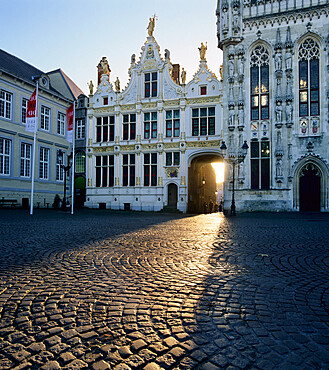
(129, 290)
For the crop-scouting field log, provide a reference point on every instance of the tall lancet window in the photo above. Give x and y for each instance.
(259, 83)
(309, 84)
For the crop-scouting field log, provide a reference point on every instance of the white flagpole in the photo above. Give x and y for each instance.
(73, 161)
(34, 142)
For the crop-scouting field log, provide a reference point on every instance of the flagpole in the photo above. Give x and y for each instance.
(73, 161)
(34, 142)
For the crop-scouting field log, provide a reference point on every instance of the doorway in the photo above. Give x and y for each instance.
(172, 196)
(310, 189)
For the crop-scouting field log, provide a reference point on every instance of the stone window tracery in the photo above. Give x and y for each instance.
(259, 83)
(309, 81)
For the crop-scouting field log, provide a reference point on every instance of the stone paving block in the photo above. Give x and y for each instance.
(66, 357)
(100, 365)
(152, 366)
(138, 344)
(76, 364)
(170, 342)
(51, 365)
(135, 362)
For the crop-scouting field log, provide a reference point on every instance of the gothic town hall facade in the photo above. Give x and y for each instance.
(275, 84)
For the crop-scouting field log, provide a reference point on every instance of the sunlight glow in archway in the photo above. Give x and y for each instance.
(219, 170)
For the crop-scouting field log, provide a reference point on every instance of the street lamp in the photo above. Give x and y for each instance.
(234, 158)
(66, 170)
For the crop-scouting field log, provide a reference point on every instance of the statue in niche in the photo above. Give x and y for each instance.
(278, 61)
(202, 50)
(278, 112)
(288, 59)
(241, 117)
(117, 84)
(231, 67)
(133, 59)
(236, 18)
(240, 66)
(183, 76)
(231, 117)
(224, 19)
(151, 26)
(91, 87)
(289, 112)
(278, 167)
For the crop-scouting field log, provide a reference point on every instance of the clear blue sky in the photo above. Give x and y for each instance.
(75, 34)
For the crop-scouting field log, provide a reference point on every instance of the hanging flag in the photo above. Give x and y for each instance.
(69, 120)
(31, 113)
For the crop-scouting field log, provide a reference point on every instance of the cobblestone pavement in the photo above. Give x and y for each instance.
(126, 290)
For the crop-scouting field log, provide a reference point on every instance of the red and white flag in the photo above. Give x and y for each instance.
(69, 120)
(31, 113)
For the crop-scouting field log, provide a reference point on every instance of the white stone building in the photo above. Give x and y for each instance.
(275, 84)
(151, 145)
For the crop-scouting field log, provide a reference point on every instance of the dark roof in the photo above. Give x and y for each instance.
(17, 67)
(74, 89)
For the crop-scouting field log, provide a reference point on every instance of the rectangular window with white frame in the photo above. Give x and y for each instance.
(104, 171)
(25, 160)
(44, 163)
(6, 99)
(150, 125)
(45, 118)
(128, 170)
(151, 84)
(150, 169)
(80, 129)
(59, 166)
(203, 121)
(60, 123)
(5, 148)
(172, 123)
(24, 109)
(129, 126)
(104, 129)
(172, 159)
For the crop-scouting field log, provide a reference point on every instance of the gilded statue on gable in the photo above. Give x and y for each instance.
(183, 76)
(91, 87)
(202, 50)
(151, 25)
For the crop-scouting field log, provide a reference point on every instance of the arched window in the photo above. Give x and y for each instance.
(80, 162)
(259, 83)
(309, 85)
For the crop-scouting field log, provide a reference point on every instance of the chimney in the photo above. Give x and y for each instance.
(175, 75)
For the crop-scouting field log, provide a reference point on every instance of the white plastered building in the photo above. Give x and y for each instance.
(142, 141)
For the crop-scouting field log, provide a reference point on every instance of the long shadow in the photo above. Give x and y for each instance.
(266, 303)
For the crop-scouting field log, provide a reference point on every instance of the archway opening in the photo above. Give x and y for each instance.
(172, 195)
(80, 191)
(310, 189)
(205, 183)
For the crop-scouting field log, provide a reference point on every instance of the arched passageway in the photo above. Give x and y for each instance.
(204, 193)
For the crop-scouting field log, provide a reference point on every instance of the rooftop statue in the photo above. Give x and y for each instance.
(202, 50)
(151, 25)
(91, 87)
